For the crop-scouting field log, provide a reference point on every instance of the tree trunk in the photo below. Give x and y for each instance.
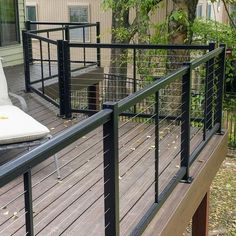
(118, 65)
(179, 32)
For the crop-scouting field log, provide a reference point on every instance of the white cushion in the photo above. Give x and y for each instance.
(17, 126)
(4, 98)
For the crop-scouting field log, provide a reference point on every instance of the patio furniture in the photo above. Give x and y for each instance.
(18, 129)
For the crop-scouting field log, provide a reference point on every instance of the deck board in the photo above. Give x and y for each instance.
(76, 202)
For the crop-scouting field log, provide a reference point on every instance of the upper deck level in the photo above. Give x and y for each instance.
(142, 164)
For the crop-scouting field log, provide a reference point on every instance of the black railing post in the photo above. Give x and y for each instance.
(220, 89)
(98, 42)
(63, 53)
(28, 27)
(209, 83)
(28, 204)
(26, 60)
(67, 33)
(157, 147)
(93, 97)
(185, 121)
(111, 171)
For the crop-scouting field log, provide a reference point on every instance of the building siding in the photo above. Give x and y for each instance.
(13, 54)
(46, 12)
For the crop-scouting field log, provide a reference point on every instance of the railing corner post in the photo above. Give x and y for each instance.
(220, 89)
(27, 25)
(26, 54)
(111, 171)
(209, 83)
(212, 46)
(30, 49)
(98, 42)
(185, 121)
(63, 54)
(67, 33)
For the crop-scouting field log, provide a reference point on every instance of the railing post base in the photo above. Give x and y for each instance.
(188, 180)
(220, 132)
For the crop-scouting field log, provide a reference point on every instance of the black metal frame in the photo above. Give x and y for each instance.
(108, 117)
(63, 60)
(64, 73)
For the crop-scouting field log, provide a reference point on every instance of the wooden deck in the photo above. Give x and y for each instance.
(74, 205)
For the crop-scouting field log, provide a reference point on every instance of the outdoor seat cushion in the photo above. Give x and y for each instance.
(16, 126)
(4, 98)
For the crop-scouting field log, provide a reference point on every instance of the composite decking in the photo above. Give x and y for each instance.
(74, 205)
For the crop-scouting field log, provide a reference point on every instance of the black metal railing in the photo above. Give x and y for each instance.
(80, 77)
(191, 131)
(45, 57)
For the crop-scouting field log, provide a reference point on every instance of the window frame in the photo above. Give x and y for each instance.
(200, 5)
(209, 7)
(17, 22)
(32, 4)
(81, 5)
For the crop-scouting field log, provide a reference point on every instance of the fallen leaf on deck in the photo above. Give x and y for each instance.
(3, 117)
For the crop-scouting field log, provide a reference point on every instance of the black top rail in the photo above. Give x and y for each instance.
(35, 36)
(197, 62)
(61, 23)
(15, 168)
(61, 28)
(140, 46)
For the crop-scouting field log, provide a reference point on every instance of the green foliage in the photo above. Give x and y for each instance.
(206, 31)
(212, 31)
(180, 16)
(126, 30)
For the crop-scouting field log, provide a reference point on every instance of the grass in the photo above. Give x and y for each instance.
(223, 200)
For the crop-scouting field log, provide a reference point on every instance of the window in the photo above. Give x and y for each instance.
(199, 11)
(9, 23)
(208, 11)
(31, 15)
(79, 14)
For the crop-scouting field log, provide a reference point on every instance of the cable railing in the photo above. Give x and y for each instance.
(147, 142)
(79, 75)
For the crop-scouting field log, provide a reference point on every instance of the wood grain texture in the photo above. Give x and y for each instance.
(176, 213)
(75, 205)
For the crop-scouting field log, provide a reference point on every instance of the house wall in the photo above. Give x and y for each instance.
(218, 11)
(57, 10)
(13, 54)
